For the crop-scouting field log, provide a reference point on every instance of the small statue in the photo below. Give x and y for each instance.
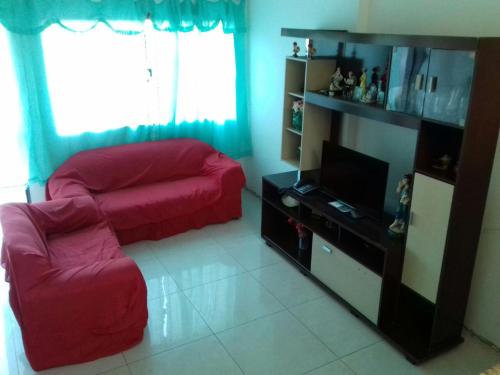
(362, 83)
(383, 80)
(398, 227)
(296, 49)
(336, 82)
(371, 95)
(443, 163)
(349, 84)
(311, 51)
(380, 94)
(375, 76)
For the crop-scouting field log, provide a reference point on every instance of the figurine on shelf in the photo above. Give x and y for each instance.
(297, 113)
(311, 51)
(398, 227)
(383, 80)
(336, 82)
(375, 76)
(371, 96)
(349, 84)
(296, 49)
(443, 163)
(362, 83)
(302, 233)
(381, 86)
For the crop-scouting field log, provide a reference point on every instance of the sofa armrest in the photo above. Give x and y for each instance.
(227, 170)
(99, 297)
(66, 215)
(65, 188)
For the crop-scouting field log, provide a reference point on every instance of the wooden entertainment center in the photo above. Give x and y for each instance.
(413, 290)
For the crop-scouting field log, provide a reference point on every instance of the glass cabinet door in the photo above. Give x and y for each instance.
(448, 86)
(407, 80)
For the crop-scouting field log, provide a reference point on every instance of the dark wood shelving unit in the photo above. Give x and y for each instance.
(423, 279)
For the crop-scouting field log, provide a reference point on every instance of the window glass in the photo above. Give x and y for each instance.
(101, 80)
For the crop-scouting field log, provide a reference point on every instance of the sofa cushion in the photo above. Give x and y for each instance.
(84, 246)
(135, 206)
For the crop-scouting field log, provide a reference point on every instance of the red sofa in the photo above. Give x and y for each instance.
(153, 190)
(75, 295)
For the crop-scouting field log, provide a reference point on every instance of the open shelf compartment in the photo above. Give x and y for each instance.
(435, 141)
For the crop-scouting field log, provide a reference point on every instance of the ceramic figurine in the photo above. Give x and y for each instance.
(356, 94)
(398, 227)
(380, 96)
(383, 80)
(296, 49)
(375, 76)
(371, 96)
(336, 82)
(297, 113)
(362, 83)
(311, 51)
(349, 84)
(443, 163)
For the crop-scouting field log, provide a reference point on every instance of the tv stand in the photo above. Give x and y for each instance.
(368, 259)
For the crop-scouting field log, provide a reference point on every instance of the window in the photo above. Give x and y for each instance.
(14, 170)
(100, 80)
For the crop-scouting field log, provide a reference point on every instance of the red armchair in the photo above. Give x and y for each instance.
(75, 295)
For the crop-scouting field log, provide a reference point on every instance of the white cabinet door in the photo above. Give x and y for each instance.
(352, 281)
(430, 214)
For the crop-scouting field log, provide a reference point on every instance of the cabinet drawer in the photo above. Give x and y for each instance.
(349, 279)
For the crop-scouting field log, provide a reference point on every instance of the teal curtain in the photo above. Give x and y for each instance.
(25, 20)
(34, 16)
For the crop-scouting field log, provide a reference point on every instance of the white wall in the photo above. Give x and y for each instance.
(267, 51)
(483, 315)
(434, 17)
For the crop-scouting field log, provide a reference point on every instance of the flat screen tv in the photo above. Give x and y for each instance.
(354, 178)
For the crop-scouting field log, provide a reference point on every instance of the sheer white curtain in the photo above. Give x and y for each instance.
(13, 168)
(101, 80)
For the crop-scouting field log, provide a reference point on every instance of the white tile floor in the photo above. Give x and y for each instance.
(221, 302)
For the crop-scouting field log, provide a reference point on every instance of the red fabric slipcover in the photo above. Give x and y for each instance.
(153, 190)
(75, 295)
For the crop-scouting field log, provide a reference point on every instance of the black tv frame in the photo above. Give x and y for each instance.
(369, 164)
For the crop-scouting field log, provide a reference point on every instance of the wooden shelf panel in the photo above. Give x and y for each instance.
(426, 41)
(298, 95)
(370, 111)
(443, 123)
(302, 59)
(294, 131)
(288, 211)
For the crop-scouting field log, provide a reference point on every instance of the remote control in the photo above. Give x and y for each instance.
(341, 206)
(304, 189)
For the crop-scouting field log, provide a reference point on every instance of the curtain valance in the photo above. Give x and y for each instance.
(125, 16)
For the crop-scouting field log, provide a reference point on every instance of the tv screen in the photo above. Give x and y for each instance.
(354, 178)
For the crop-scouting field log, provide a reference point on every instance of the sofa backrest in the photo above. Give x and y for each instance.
(112, 168)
